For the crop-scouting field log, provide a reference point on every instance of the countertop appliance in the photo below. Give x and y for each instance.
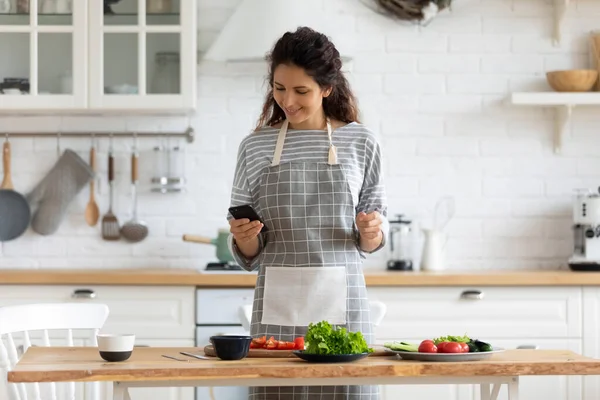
(401, 244)
(586, 231)
(218, 313)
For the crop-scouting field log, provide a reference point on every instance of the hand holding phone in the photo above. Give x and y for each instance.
(245, 232)
(248, 212)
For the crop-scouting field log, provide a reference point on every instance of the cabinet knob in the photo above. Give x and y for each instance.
(472, 295)
(83, 294)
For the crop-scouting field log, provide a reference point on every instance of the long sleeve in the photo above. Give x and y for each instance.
(240, 194)
(372, 196)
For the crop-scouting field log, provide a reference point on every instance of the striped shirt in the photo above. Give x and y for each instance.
(358, 150)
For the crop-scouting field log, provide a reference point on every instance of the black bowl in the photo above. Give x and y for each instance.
(115, 356)
(231, 347)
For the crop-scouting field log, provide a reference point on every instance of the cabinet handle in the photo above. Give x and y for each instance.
(83, 294)
(472, 295)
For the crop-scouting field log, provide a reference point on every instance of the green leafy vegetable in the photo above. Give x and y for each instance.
(459, 339)
(322, 338)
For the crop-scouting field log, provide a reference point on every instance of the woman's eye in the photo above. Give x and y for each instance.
(301, 92)
(279, 89)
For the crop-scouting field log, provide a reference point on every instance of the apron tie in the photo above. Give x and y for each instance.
(332, 159)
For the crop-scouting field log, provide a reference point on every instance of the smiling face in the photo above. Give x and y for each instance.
(299, 96)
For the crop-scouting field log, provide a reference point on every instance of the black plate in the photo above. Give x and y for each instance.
(329, 358)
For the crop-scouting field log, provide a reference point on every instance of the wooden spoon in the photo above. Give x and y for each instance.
(92, 213)
(7, 180)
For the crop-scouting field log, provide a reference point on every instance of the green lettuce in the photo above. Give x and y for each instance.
(322, 338)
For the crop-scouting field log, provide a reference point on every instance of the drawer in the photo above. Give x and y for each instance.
(221, 306)
(516, 312)
(161, 312)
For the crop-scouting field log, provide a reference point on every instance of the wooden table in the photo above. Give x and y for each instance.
(147, 368)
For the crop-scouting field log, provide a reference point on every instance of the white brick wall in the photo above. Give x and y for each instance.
(435, 95)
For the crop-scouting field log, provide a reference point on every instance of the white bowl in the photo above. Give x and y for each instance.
(115, 347)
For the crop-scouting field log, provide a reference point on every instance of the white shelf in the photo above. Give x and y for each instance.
(563, 103)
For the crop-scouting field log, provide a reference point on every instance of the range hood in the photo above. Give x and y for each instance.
(255, 26)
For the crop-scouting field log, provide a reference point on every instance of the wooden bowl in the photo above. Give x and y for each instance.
(575, 80)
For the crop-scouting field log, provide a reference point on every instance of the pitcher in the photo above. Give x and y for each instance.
(434, 250)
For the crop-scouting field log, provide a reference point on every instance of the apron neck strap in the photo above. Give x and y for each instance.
(279, 145)
(332, 158)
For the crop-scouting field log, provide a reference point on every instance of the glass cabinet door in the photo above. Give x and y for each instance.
(44, 60)
(143, 54)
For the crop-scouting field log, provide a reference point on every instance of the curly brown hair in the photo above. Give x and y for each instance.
(317, 55)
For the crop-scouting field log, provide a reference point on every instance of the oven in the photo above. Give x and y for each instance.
(218, 313)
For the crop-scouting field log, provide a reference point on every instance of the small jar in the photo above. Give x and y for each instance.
(167, 75)
(4, 6)
(159, 6)
(23, 6)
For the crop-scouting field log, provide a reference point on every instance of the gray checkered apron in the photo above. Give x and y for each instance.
(310, 213)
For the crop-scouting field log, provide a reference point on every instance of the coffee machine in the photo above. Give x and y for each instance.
(586, 231)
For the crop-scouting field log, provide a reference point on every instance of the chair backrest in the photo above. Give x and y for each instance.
(37, 324)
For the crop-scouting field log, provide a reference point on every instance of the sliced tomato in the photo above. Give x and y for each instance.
(299, 343)
(281, 345)
(271, 343)
(290, 345)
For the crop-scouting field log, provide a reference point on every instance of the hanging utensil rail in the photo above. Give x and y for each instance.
(188, 134)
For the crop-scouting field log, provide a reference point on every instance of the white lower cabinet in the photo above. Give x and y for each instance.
(591, 341)
(159, 316)
(507, 317)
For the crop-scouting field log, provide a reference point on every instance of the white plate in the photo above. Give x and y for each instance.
(445, 357)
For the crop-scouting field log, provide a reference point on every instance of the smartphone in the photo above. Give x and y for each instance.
(247, 211)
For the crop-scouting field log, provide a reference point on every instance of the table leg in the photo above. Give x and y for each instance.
(513, 388)
(120, 392)
(484, 390)
(495, 391)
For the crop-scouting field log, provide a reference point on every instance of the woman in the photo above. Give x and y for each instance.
(313, 173)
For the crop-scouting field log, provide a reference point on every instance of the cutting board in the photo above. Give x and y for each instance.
(209, 350)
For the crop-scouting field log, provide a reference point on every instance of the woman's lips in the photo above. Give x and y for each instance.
(292, 112)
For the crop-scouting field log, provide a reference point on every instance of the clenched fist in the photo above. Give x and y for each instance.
(369, 227)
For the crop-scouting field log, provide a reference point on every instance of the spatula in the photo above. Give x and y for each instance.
(110, 223)
(91, 210)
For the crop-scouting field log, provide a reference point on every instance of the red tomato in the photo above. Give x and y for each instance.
(440, 346)
(427, 346)
(271, 343)
(281, 345)
(464, 347)
(299, 343)
(452, 347)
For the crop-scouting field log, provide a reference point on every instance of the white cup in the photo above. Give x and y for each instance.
(115, 347)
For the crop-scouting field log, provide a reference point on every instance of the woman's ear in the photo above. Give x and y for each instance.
(327, 91)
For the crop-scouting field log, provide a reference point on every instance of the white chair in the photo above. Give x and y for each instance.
(378, 310)
(34, 322)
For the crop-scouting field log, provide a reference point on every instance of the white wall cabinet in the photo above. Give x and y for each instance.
(84, 59)
(550, 318)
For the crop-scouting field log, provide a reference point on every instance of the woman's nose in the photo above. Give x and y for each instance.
(288, 99)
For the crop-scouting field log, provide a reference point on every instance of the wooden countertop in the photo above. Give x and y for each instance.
(190, 277)
(66, 364)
